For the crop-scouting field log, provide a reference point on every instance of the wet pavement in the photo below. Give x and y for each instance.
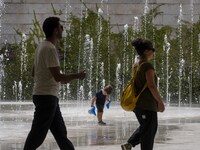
(178, 127)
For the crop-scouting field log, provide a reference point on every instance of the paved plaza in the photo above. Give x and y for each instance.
(178, 127)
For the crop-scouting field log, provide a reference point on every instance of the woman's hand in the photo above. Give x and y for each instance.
(161, 106)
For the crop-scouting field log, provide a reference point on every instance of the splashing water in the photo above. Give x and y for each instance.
(181, 60)
(146, 10)
(118, 82)
(167, 48)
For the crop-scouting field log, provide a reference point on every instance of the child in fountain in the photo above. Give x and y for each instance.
(100, 99)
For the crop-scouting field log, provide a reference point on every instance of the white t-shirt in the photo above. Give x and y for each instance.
(45, 56)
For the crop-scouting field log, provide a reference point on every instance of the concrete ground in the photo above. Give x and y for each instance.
(178, 127)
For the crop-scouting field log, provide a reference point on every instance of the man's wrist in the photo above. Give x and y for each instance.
(76, 76)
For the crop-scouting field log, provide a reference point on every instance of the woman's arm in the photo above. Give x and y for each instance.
(150, 77)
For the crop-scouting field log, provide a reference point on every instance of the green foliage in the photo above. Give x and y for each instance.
(111, 49)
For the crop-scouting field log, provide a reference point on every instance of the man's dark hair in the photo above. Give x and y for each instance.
(49, 25)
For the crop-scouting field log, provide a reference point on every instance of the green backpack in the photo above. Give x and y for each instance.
(128, 98)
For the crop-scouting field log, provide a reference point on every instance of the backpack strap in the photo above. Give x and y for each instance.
(135, 71)
(134, 76)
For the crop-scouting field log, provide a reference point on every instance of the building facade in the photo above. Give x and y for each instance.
(19, 14)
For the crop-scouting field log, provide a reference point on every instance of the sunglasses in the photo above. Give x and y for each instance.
(61, 26)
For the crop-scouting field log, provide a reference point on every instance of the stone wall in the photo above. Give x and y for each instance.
(19, 13)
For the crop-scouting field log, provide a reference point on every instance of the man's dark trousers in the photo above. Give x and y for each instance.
(47, 116)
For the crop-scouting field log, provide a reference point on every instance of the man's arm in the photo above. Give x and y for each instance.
(55, 71)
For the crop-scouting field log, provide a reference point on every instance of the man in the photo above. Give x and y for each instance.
(46, 73)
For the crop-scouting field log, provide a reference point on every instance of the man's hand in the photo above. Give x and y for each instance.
(82, 75)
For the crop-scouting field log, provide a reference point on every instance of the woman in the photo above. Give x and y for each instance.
(149, 102)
